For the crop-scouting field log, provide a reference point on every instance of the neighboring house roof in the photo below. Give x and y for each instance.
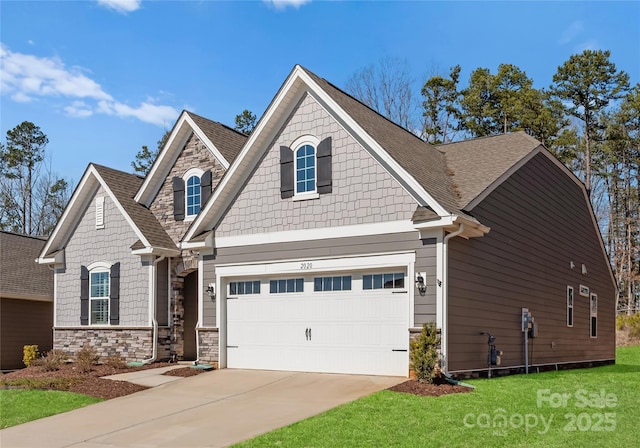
(223, 142)
(479, 163)
(228, 141)
(121, 187)
(20, 276)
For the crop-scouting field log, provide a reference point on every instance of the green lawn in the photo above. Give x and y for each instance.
(21, 405)
(575, 408)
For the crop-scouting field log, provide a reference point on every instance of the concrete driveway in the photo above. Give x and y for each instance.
(213, 409)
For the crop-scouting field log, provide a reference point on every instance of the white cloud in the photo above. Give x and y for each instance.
(590, 44)
(121, 6)
(27, 77)
(282, 4)
(571, 32)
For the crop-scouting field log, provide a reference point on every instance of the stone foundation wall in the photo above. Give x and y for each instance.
(209, 347)
(164, 344)
(132, 344)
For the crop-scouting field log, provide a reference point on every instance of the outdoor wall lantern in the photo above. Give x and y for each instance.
(420, 285)
(211, 290)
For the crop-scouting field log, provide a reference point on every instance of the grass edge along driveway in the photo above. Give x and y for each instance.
(24, 405)
(572, 408)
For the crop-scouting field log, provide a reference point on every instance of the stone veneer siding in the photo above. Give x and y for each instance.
(194, 155)
(209, 347)
(132, 344)
(363, 192)
(110, 245)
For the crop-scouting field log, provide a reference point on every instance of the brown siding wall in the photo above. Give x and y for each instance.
(425, 306)
(539, 224)
(24, 322)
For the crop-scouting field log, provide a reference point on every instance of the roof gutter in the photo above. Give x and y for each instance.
(472, 228)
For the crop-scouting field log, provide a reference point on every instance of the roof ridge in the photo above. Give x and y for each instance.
(484, 137)
(99, 166)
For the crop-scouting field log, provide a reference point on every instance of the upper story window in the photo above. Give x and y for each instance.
(193, 196)
(305, 169)
(190, 193)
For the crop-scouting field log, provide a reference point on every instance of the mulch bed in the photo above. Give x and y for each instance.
(70, 378)
(436, 389)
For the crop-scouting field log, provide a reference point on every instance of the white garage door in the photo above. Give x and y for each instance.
(339, 323)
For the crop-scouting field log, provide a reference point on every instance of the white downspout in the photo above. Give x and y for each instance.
(444, 333)
(152, 310)
(200, 305)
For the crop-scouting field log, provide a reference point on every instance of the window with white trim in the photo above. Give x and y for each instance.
(244, 287)
(286, 285)
(569, 306)
(593, 326)
(192, 193)
(391, 280)
(99, 296)
(305, 169)
(334, 283)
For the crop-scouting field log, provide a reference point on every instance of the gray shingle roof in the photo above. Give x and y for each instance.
(125, 186)
(421, 160)
(20, 275)
(478, 163)
(228, 141)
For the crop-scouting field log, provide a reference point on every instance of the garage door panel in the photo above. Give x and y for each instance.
(363, 332)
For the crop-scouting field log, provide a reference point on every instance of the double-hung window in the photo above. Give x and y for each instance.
(193, 196)
(99, 297)
(305, 169)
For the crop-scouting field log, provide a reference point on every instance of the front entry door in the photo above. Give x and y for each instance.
(190, 316)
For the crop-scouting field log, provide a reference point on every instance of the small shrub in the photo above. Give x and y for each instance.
(29, 354)
(424, 354)
(86, 358)
(53, 360)
(115, 361)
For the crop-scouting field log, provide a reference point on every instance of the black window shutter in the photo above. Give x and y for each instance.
(205, 187)
(323, 154)
(286, 172)
(84, 295)
(114, 295)
(178, 199)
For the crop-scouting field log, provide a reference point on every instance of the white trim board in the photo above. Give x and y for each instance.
(322, 233)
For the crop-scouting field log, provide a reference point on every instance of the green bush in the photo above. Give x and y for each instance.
(424, 354)
(29, 354)
(630, 323)
(86, 358)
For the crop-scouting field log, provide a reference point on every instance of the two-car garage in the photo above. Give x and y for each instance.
(313, 316)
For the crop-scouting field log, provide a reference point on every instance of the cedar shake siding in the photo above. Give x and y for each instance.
(425, 306)
(540, 223)
(109, 245)
(23, 322)
(362, 190)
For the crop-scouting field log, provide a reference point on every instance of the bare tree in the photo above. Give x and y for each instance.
(387, 87)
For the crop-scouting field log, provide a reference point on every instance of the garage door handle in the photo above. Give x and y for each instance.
(398, 350)
(306, 334)
(309, 333)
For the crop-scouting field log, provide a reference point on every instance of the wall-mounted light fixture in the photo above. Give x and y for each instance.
(420, 284)
(211, 290)
(572, 264)
(584, 269)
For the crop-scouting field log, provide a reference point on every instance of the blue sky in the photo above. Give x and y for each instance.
(102, 78)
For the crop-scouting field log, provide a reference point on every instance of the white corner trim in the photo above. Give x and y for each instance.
(313, 234)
